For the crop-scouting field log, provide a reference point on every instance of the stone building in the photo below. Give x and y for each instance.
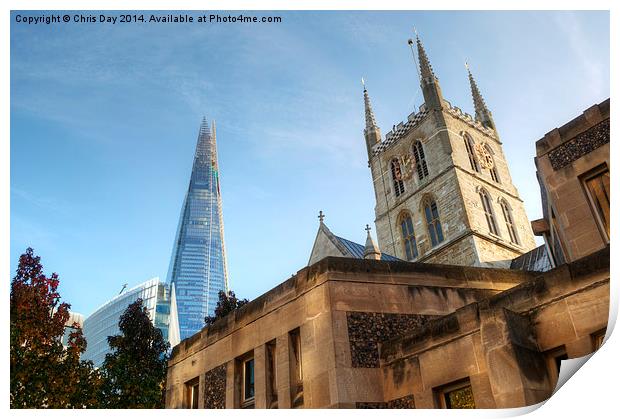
(573, 172)
(322, 338)
(367, 326)
(442, 184)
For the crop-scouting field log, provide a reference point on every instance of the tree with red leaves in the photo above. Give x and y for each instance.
(227, 303)
(45, 374)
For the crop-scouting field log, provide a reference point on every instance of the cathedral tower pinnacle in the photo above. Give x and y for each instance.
(372, 133)
(428, 81)
(482, 112)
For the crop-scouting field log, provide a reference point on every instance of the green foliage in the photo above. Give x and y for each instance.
(226, 303)
(43, 373)
(134, 373)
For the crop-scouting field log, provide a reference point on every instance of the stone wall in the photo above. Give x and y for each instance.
(215, 388)
(470, 186)
(460, 252)
(444, 190)
(461, 159)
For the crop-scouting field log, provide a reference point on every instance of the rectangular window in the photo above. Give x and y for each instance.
(297, 384)
(192, 391)
(597, 188)
(244, 381)
(457, 395)
(556, 243)
(554, 362)
(248, 380)
(597, 339)
(272, 384)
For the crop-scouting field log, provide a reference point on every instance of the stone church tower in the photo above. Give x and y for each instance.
(442, 185)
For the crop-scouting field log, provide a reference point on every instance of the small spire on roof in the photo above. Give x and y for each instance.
(321, 217)
(371, 251)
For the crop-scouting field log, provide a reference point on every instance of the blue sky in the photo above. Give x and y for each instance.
(104, 120)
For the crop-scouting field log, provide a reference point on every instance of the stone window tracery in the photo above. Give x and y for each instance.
(469, 146)
(408, 236)
(510, 225)
(397, 176)
(488, 211)
(431, 213)
(420, 160)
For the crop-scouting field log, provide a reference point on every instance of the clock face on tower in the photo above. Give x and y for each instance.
(484, 156)
(408, 164)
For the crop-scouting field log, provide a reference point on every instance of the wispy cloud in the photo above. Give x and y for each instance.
(43, 202)
(571, 25)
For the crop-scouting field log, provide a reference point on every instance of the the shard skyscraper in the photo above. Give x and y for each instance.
(198, 268)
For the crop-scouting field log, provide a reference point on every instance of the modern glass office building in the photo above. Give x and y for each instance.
(73, 319)
(198, 262)
(157, 297)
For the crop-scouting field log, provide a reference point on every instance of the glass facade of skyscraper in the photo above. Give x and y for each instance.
(198, 262)
(160, 303)
(73, 319)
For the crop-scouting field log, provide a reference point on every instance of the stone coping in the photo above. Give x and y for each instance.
(590, 117)
(348, 270)
(546, 288)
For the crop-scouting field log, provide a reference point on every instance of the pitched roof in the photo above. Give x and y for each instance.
(357, 250)
(327, 243)
(534, 260)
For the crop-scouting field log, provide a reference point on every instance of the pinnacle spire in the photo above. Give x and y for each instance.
(482, 112)
(426, 70)
(371, 122)
(371, 251)
(479, 104)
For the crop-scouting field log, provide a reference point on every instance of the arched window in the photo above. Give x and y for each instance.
(491, 164)
(432, 221)
(469, 146)
(488, 211)
(510, 225)
(420, 160)
(408, 235)
(397, 176)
